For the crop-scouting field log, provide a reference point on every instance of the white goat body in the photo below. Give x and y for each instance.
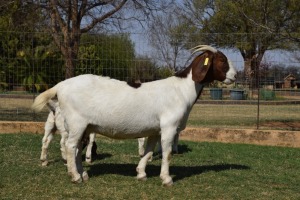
(157, 109)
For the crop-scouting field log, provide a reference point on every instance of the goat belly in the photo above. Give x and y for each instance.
(124, 133)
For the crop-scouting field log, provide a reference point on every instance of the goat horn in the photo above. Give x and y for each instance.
(203, 48)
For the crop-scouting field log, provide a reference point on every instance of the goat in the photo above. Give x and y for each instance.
(157, 109)
(55, 122)
(141, 148)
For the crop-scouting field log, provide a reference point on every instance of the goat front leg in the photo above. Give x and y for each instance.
(151, 142)
(167, 138)
(48, 136)
(175, 144)
(88, 154)
(141, 142)
(60, 125)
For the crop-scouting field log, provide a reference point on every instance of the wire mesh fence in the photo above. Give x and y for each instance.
(30, 63)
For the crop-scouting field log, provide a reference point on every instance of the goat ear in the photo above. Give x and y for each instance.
(200, 66)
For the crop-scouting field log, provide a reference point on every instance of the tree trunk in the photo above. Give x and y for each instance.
(251, 67)
(70, 53)
(70, 64)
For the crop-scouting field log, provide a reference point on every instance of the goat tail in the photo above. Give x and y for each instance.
(43, 99)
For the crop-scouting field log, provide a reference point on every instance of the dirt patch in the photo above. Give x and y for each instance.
(22, 127)
(282, 125)
(246, 136)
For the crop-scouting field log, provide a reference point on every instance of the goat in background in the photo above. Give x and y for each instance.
(55, 122)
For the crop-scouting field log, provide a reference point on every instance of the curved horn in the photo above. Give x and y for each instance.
(203, 48)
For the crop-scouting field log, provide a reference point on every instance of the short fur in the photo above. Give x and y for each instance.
(55, 122)
(157, 109)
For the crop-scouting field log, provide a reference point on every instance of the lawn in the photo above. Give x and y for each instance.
(199, 171)
(243, 116)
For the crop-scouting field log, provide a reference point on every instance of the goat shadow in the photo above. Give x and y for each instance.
(183, 148)
(178, 172)
(99, 156)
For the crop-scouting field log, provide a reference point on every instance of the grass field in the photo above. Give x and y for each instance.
(243, 116)
(200, 171)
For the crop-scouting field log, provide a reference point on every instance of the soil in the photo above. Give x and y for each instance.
(283, 125)
(227, 135)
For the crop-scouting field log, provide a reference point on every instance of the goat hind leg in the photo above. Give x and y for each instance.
(48, 136)
(141, 142)
(63, 140)
(79, 166)
(74, 161)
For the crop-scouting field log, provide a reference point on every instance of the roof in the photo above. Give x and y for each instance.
(290, 76)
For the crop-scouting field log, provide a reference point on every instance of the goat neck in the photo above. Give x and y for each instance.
(189, 89)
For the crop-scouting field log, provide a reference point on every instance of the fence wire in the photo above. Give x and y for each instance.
(30, 63)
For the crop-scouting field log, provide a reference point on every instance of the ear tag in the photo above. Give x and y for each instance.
(206, 61)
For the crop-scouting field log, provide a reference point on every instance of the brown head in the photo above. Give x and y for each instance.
(209, 66)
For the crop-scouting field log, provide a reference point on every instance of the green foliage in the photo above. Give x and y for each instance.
(38, 68)
(107, 55)
(267, 24)
(144, 70)
(201, 171)
(32, 60)
(23, 58)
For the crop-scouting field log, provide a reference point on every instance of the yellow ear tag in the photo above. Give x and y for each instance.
(206, 61)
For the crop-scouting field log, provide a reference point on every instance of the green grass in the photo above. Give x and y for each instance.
(200, 171)
(242, 116)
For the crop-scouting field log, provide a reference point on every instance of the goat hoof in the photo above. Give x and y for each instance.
(77, 179)
(85, 176)
(44, 163)
(142, 177)
(88, 160)
(167, 182)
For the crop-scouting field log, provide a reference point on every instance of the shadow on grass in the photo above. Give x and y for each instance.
(179, 172)
(183, 148)
(98, 156)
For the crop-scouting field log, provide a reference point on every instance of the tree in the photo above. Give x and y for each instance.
(167, 35)
(144, 70)
(16, 17)
(107, 55)
(70, 19)
(35, 67)
(242, 25)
